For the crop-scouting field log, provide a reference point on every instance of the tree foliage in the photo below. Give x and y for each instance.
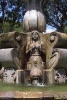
(14, 12)
(65, 29)
(55, 12)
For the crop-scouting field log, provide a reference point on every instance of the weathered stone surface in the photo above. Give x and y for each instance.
(9, 76)
(32, 49)
(34, 95)
(33, 18)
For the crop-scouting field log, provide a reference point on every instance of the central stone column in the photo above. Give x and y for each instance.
(34, 19)
(33, 4)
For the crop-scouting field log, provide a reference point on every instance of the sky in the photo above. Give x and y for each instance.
(50, 29)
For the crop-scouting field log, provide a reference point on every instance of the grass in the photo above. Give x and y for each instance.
(15, 87)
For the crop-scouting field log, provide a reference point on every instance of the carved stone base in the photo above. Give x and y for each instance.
(22, 76)
(48, 76)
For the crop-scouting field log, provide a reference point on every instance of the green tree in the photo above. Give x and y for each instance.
(18, 27)
(55, 12)
(6, 27)
(65, 29)
(14, 12)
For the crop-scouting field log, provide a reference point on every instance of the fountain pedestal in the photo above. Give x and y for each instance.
(48, 76)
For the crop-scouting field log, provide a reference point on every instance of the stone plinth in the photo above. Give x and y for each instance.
(48, 76)
(22, 76)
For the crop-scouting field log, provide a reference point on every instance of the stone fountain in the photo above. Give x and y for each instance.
(33, 54)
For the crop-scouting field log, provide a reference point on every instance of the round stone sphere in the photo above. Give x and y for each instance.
(34, 20)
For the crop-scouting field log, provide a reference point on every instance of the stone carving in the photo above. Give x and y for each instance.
(60, 76)
(2, 70)
(35, 64)
(9, 76)
(33, 18)
(32, 50)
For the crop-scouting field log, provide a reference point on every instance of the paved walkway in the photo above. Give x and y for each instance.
(17, 94)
